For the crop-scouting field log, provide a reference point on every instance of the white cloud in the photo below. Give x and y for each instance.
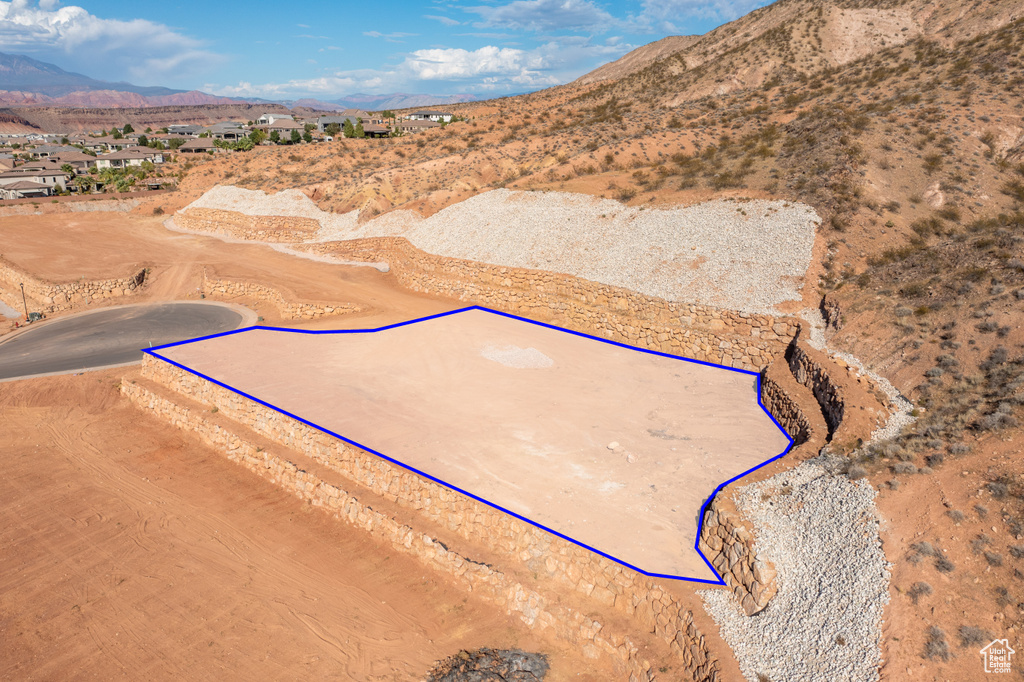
(546, 15)
(488, 69)
(456, 63)
(395, 37)
(447, 21)
(137, 48)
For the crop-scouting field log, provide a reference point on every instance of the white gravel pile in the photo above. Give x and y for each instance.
(747, 256)
(516, 357)
(290, 202)
(821, 532)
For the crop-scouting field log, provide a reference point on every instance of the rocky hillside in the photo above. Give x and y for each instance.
(71, 119)
(791, 39)
(638, 59)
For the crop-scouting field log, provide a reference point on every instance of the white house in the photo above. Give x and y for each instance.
(129, 157)
(435, 116)
(25, 189)
(268, 119)
(53, 179)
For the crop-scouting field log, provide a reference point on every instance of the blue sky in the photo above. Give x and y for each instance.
(282, 50)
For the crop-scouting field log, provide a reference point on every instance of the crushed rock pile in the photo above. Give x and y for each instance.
(743, 255)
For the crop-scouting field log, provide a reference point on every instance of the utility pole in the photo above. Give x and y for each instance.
(23, 301)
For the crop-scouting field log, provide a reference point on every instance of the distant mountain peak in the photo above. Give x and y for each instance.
(19, 73)
(25, 81)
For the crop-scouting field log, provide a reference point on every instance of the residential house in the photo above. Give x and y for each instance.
(185, 129)
(48, 150)
(269, 119)
(415, 126)
(6, 162)
(76, 159)
(324, 121)
(108, 144)
(198, 145)
(25, 189)
(54, 179)
(227, 130)
(376, 130)
(129, 157)
(42, 164)
(284, 127)
(435, 116)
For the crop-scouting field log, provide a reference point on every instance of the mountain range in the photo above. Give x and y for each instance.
(29, 82)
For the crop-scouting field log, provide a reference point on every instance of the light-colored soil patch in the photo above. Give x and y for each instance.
(613, 447)
(743, 255)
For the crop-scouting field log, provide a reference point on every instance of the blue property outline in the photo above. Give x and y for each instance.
(703, 509)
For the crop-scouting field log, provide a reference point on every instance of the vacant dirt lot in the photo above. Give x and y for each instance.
(130, 552)
(524, 417)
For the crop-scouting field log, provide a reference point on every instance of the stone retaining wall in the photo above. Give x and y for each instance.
(249, 227)
(728, 544)
(726, 337)
(51, 297)
(226, 288)
(811, 368)
(605, 583)
(831, 311)
(777, 384)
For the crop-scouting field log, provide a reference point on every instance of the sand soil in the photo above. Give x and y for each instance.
(128, 551)
(523, 416)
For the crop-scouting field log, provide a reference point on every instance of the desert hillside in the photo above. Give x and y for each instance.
(828, 194)
(899, 123)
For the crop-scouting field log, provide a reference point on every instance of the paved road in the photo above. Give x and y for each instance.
(109, 337)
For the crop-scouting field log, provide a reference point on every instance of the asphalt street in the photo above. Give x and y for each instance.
(109, 337)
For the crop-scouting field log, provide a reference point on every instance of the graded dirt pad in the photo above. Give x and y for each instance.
(610, 446)
(130, 552)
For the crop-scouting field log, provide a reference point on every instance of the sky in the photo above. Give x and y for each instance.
(326, 50)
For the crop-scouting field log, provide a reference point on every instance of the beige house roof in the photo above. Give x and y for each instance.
(283, 125)
(26, 184)
(199, 143)
(133, 153)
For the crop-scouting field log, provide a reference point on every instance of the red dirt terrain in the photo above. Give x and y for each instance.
(132, 552)
(909, 144)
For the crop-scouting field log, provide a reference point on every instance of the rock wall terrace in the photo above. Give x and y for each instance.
(214, 287)
(250, 227)
(51, 297)
(609, 587)
(734, 339)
